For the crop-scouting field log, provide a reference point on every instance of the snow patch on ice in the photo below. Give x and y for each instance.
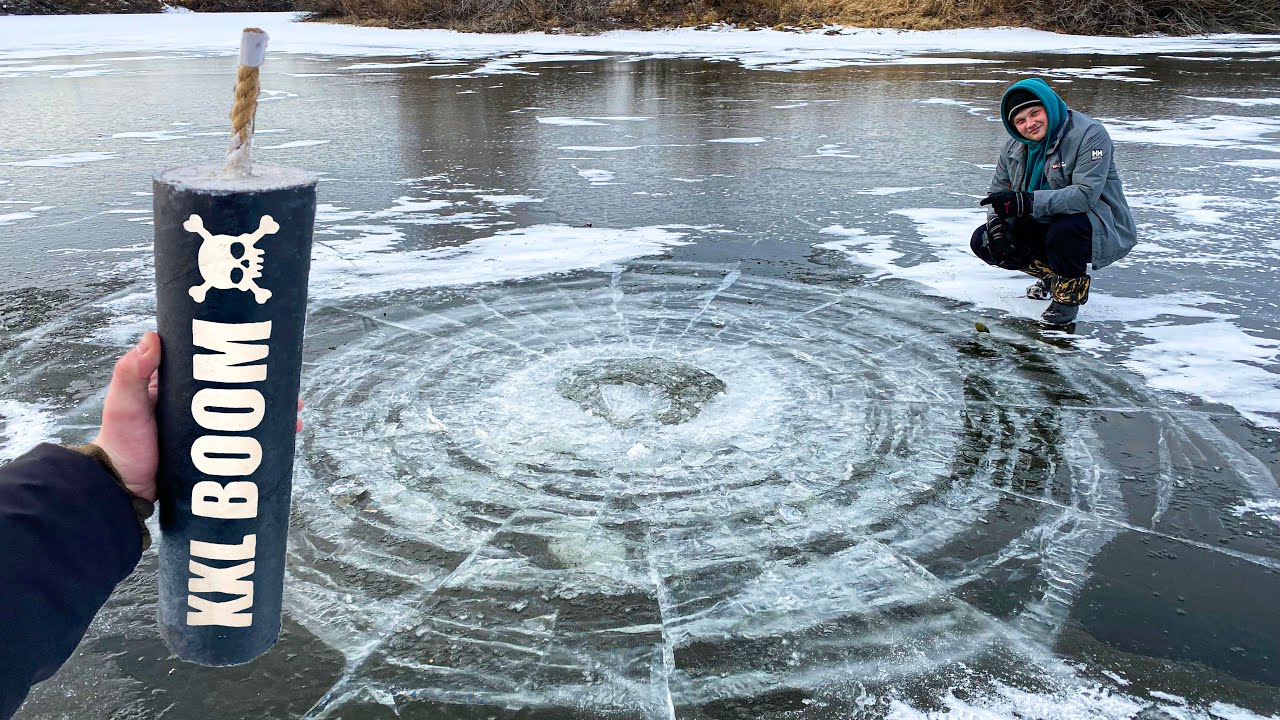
(1268, 509)
(839, 150)
(23, 425)
(1100, 72)
(1098, 703)
(1241, 102)
(594, 120)
(506, 201)
(1217, 361)
(596, 176)
(968, 106)
(370, 263)
(65, 160)
(598, 148)
(740, 140)
(25, 214)
(889, 190)
(294, 144)
(568, 121)
(1216, 131)
(152, 135)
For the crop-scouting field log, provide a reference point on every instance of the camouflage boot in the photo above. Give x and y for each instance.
(1068, 295)
(1043, 287)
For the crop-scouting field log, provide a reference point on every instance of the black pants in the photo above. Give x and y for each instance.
(1065, 244)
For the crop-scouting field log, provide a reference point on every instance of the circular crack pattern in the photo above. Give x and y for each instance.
(676, 488)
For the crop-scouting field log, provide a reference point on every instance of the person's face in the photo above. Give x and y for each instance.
(1032, 123)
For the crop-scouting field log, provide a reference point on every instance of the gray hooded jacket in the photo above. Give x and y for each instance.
(1082, 179)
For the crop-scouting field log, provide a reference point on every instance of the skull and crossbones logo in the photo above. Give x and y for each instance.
(222, 267)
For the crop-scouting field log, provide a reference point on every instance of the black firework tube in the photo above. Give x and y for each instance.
(232, 255)
(231, 295)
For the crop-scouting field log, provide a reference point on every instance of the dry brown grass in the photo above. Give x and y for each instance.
(1109, 17)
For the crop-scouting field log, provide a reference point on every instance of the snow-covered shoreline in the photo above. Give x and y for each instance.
(32, 37)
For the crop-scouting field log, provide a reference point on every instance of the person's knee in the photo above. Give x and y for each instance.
(1069, 244)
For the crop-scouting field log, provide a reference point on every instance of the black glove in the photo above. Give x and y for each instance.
(1004, 249)
(1009, 204)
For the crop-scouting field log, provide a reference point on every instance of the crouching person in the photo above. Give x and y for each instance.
(1056, 205)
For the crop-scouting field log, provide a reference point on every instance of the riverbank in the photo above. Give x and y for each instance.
(35, 36)
(1086, 17)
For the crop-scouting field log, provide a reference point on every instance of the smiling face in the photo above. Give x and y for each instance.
(1032, 123)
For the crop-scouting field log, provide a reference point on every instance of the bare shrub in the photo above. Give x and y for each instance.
(235, 5)
(1173, 17)
(1093, 17)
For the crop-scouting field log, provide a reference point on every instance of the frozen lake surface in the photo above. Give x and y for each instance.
(644, 383)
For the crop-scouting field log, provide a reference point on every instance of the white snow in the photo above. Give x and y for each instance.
(1216, 131)
(1241, 102)
(1102, 72)
(970, 107)
(598, 148)
(1097, 703)
(24, 425)
(34, 37)
(152, 135)
(839, 150)
(293, 144)
(888, 190)
(596, 176)
(373, 262)
(505, 201)
(1215, 360)
(1269, 509)
(739, 140)
(65, 160)
(595, 120)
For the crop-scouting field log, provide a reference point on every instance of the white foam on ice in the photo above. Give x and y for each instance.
(372, 262)
(33, 37)
(65, 160)
(24, 425)
(1215, 131)
(739, 140)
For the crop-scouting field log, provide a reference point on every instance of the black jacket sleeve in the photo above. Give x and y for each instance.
(68, 535)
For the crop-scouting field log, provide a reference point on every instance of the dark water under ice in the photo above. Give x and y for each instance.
(595, 428)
